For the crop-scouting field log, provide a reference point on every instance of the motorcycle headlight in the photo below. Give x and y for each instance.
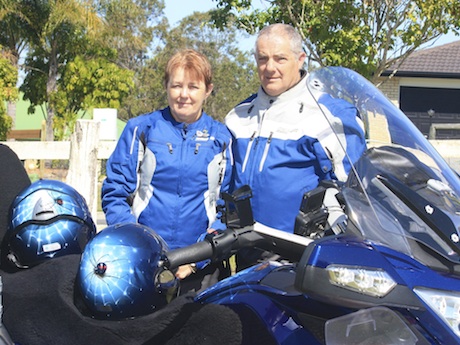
(446, 304)
(372, 282)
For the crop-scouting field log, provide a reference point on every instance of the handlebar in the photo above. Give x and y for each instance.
(219, 247)
(194, 253)
(225, 244)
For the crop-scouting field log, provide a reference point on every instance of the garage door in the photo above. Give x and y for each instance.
(425, 106)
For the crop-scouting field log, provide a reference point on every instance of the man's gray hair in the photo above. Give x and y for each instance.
(284, 29)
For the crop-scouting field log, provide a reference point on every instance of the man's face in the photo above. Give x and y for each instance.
(278, 66)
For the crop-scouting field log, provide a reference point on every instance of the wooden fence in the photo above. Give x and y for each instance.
(84, 152)
(28, 134)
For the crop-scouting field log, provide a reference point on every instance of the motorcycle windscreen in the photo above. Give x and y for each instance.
(399, 192)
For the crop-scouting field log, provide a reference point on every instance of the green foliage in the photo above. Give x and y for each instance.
(367, 36)
(34, 84)
(58, 31)
(85, 84)
(137, 29)
(8, 80)
(8, 92)
(13, 28)
(131, 27)
(5, 125)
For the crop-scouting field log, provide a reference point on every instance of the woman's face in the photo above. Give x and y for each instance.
(186, 95)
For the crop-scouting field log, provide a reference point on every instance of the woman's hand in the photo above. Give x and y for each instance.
(185, 270)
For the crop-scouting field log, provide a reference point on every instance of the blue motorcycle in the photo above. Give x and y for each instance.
(374, 260)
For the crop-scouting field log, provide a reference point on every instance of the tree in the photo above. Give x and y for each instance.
(59, 30)
(13, 25)
(136, 29)
(87, 84)
(234, 73)
(132, 26)
(367, 36)
(8, 92)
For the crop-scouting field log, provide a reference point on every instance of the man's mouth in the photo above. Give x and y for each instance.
(270, 79)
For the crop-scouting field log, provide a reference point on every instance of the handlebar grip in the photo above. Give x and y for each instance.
(194, 253)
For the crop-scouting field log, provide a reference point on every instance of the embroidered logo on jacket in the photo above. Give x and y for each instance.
(202, 135)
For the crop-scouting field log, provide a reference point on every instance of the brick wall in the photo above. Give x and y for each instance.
(390, 88)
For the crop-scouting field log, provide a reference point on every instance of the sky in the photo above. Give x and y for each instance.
(175, 10)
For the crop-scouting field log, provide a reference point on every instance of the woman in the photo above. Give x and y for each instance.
(169, 166)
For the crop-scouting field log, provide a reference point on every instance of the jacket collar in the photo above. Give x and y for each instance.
(199, 125)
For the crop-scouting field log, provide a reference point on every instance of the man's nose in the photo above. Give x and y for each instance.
(270, 66)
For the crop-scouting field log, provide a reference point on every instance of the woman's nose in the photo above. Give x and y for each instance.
(184, 92)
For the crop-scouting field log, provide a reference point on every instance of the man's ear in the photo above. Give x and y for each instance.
(302, 57)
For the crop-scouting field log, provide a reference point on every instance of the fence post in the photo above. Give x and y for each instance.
(42, 138)
(83, 168)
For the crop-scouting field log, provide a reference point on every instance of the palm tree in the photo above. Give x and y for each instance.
(12, 40)
(59, 30)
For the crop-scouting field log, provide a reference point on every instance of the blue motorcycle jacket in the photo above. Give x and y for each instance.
(168, 175)
(284, 146)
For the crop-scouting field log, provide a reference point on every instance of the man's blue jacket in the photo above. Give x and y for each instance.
(284, 146)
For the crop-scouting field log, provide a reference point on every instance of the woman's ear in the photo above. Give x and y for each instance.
(209, 90)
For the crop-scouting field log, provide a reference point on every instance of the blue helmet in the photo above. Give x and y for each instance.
(121, 276)
(48, 219)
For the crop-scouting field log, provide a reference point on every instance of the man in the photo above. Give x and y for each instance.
(284, 145)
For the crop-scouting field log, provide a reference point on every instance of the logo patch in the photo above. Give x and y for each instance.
(202, 135)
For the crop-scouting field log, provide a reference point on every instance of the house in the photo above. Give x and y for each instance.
(34, 121)
(426, 87)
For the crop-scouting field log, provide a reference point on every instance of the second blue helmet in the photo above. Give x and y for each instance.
(121, 276)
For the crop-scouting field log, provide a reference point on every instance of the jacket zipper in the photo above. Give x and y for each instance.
(265, 154)
(252, 141)
(183, 154)
(248, 150)
(221, 168)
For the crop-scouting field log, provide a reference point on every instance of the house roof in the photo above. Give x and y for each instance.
(437, 62)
